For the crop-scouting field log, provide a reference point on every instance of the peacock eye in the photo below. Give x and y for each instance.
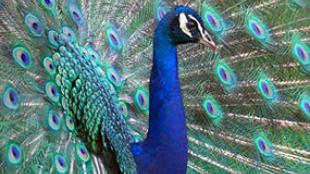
(191, 25)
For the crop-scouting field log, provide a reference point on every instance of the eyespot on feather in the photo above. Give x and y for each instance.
(212, 109)
(34, 25)
(141, 99)
(60, 164)
(263, 145)
(11, 98)
(14, 153)
(22, 57)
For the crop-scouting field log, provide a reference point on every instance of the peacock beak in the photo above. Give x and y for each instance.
(207, 41)
(209, 44)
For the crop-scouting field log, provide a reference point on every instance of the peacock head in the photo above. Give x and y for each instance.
(186, 26)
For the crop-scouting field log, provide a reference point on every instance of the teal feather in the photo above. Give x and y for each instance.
(74, 79)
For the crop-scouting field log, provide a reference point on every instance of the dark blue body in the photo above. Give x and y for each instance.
(165, 149)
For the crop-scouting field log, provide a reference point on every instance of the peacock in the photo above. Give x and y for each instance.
(154, 86)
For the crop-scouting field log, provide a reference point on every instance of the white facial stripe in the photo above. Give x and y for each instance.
(183, 21)
(198, 24)
(202, 32)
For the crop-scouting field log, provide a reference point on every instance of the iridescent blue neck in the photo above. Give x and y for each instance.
(165, 148)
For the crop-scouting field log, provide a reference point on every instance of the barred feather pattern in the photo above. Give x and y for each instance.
(74, 78)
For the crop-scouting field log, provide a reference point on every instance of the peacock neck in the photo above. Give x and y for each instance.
(165, 148)
(167, 116)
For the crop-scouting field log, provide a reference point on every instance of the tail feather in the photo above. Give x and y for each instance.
(33, 126)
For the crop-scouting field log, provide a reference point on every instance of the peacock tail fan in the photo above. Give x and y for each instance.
(74, 79)
(247, 113)
(58, 97)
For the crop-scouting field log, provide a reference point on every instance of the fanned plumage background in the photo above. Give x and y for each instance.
(247, 105)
